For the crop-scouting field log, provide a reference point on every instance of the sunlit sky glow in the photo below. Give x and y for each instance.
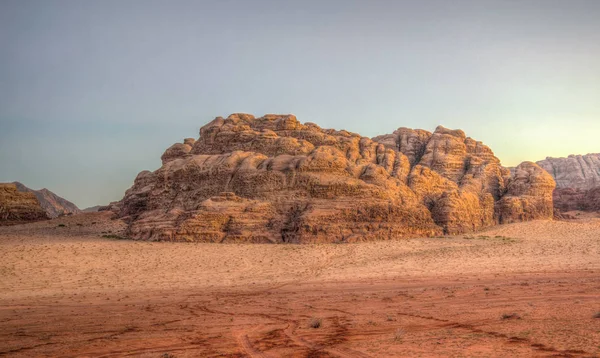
(92, 92)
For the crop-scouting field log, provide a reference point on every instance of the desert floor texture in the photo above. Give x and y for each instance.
(527, 289)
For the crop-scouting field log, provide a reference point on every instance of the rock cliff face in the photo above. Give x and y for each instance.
(18, 207)
(577, 181)
(274, 179)
(53, 204)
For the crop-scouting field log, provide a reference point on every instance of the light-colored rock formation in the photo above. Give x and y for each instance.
(274, 179)
(53, 204)
(18, 207)
(577, 181)
(574, 171)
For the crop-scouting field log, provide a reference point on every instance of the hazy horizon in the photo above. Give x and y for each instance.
(91, 93)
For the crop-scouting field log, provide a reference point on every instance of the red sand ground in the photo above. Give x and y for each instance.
(529, 289)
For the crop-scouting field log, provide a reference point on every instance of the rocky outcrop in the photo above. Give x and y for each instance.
(53, 204)
(19, 207)
(575, 171)
(274, 179)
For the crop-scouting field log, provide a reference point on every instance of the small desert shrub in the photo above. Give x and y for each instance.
(167, 355)
(390, 318)
(61, 225)
(597, 315)
(113, 236)
(315, 322)
(399, 334)
(510, 316)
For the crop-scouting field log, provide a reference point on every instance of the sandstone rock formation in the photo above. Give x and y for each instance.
(18, 207)
(53, 204)
(577, 181)
(274, 179)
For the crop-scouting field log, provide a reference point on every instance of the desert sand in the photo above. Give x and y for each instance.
(70, 287)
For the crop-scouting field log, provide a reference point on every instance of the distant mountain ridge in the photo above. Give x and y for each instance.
(53, 204)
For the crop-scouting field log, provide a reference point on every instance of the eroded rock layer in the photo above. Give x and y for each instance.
(274, 179)
(18, 207)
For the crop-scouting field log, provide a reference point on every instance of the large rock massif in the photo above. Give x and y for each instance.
(577, 181)
(274, 179)
(17, 207)
(53, 204)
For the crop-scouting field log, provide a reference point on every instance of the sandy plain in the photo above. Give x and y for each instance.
(70, 288)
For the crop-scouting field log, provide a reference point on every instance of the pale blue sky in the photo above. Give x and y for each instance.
(92, 92)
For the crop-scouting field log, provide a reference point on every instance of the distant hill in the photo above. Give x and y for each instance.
(92, 209)
(53, 204)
